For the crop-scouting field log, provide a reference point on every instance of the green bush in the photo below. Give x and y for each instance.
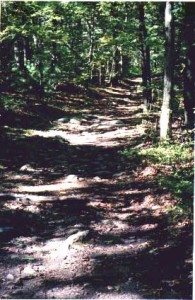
(180, 182)
(9, 102)
(165, 153)
(161, 153)
(133, 155)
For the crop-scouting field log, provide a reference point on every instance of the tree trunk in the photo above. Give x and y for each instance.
(91, 29)
(189, 71)
(117, 66)
(111, 69)
(6, 55)
(103, 75)
(21, 58)
(54, 57)
(108, 71)
(125, 66)
(165, 117)
(28, 49)
(145, 52)
(117, 62)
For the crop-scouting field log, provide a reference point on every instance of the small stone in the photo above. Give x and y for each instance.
(78, 226)
(96, 178)
(27, 168)
(74, 122)
(71, 178)
(63, 120)
(10, 277)
(81, 179)
(149, 171)
(28, 272)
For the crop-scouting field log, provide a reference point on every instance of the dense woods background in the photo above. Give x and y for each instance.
(69, 60)
(45, 44)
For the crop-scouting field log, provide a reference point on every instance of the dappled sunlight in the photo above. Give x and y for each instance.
(59, 186)
(76, 217)
(105, 139)
(22, 197)
(96, 153)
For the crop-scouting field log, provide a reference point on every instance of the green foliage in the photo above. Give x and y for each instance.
(57, 38)
(167, 153)
(9, 102)
(180, 184)
(133, 155)
(161, 153)
(151, 134)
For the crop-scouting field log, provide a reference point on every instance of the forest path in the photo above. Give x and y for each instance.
(78, 220)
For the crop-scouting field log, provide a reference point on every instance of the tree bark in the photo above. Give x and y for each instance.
(145, 52)
(117, 63)
(91, 33)
(165, 117)
(117, 66)
(21, 59)
(28, 49)
(125, 66)
(189, 71)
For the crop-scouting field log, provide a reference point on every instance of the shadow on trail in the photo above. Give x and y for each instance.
(135, 273)
(131, 248)
(157, 269)
(53, 157)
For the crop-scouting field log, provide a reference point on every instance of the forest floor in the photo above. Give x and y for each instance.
(77, 220)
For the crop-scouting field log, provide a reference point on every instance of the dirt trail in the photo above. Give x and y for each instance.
(80, 222)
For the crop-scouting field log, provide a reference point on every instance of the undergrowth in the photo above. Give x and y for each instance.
(10, 102)
(166, 153)
(178, 180)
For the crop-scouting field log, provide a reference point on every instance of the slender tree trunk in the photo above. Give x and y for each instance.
(103, 75)
(21, 52)
(189, 72)
(100, 75)
(91, 56)
(91, 62)
(28, 49)
(116, 66)
(0, 15)
(54, 57)
(125, 66)
(111, 71)
(91, 26)
(108, 71)
(145, 51)
(6, 55)
(165, 117)
(16, 54)
(21, 58)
